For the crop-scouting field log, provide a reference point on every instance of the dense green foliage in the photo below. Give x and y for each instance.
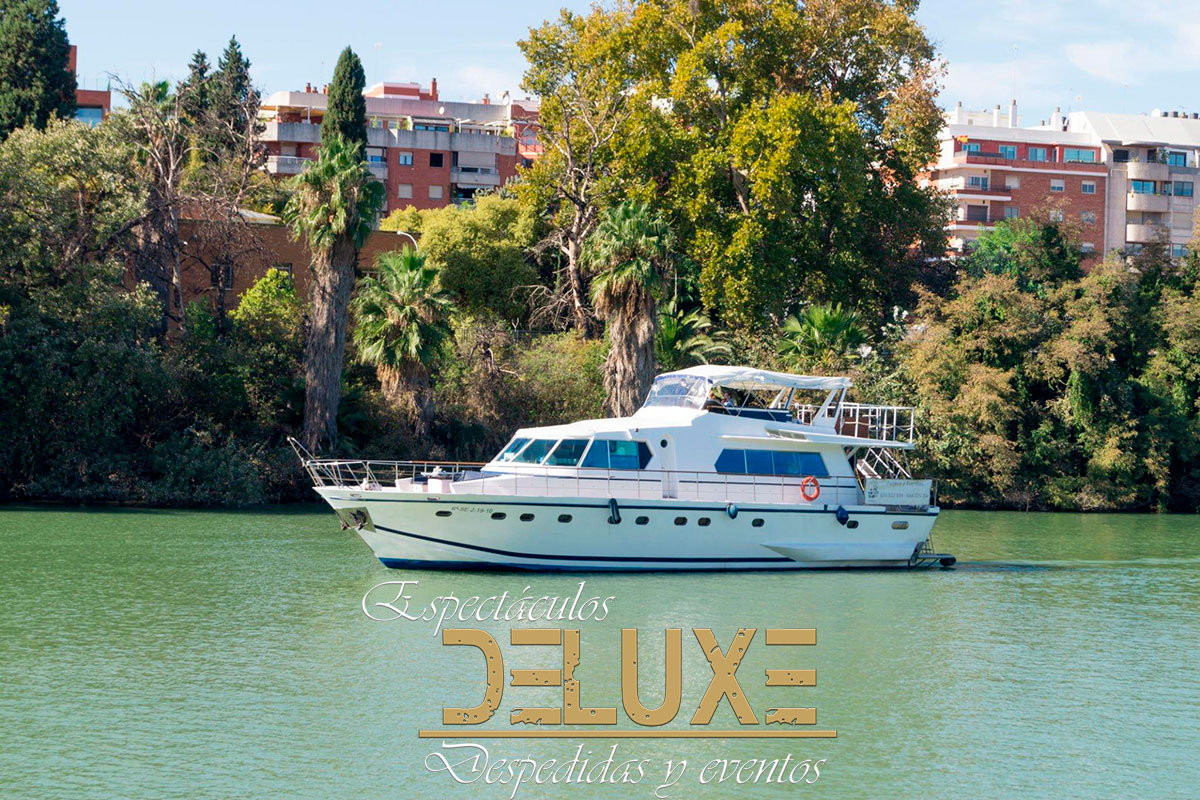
(723, 183)
(36, 81)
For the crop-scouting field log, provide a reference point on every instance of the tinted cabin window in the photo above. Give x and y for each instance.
(534, 452)
(618, 455)
(732, 462)
(567, 453)
(770, 462)
(510, 452)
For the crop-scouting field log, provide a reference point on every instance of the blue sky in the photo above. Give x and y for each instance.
(1097, 54)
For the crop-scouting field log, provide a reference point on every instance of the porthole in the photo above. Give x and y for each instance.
(499, 515)
(527, 518)
(758, 522)
(642, 520)
(681, 520)
(704, 522)
(564, 517)
(900, 525)
(663, 443)
(443, 513)
(852, 523)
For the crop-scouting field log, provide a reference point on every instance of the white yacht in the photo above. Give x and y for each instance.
(722, 468)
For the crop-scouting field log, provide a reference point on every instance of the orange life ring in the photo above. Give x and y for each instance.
(810, 482)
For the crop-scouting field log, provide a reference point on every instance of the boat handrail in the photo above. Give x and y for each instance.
(542, 480)
(865, 421)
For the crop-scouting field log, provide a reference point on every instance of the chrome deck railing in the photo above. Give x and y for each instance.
(448, 478)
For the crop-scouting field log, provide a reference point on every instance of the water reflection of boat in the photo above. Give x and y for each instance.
(722, 468)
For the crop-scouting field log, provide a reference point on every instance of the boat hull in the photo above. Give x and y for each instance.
(585, 534)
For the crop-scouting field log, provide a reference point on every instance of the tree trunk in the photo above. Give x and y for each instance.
(630, 366)
(575, 287)
(324, 349)
(407, 390)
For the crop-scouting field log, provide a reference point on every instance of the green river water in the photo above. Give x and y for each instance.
(152, 654)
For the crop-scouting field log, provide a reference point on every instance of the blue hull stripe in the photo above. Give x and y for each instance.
(589, 559)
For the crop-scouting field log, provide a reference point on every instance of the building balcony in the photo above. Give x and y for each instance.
(1147, 202)
(1142, 234)
(286, 165)
(1146, 171)
(306, 132)
(469, 177)
(378, 169)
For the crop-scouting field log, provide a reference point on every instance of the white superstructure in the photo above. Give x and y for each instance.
(722, 468)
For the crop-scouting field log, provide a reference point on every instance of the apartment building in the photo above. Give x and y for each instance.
(995, 170)
(92, 105)
(1152, 163)
(427, 152)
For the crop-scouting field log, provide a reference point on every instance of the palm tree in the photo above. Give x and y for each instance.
(400, 320)
(627, 251)
(334, 203)
(684, 338)
(823, 335)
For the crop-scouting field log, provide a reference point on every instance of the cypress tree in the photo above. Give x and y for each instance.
(346, 108)
(36, 81)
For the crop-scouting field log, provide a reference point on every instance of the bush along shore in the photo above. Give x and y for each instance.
(776, 223)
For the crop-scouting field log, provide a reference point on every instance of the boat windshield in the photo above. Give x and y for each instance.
(688, 391)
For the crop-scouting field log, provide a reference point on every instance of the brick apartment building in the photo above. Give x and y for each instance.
(1125, 179)
(92, 105)
(428, 152)
(995, 170)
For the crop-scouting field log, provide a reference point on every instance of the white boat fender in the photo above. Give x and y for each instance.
(614, 512)
(843, 516)
(731, 510)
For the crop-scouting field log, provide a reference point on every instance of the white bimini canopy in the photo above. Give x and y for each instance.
(748, 379)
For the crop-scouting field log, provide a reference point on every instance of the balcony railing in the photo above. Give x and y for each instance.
(287, 165)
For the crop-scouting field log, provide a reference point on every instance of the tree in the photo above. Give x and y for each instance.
(401, 320)
(628, 251)
(478, 251)
(822, 336)
(334, 203)
(346, 108)
(796, 131)
(234, 98)
(580, 68)
(161, 132)
(686, 338)
(36, 81)
(196, 90)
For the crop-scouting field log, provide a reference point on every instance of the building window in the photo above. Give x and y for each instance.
(1088, 187)
(1057, 185)
(1178, 250)
(376, 155)
(1120, 156)
(437, 159)
(1087, 217)
(1087, 247)
(977, 182)
(1176, 159)
(1008, 151)
(405, 159)
(1142, 187)
(971, 147)
(1183, 188)
(404, 191)
(1037, 154)
(90, 116)
(1078, 156)
(1056, 215)
(435, 192)
(1012, 182)
(1012, 212)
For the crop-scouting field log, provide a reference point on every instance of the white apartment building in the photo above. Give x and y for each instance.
(1153, 162)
